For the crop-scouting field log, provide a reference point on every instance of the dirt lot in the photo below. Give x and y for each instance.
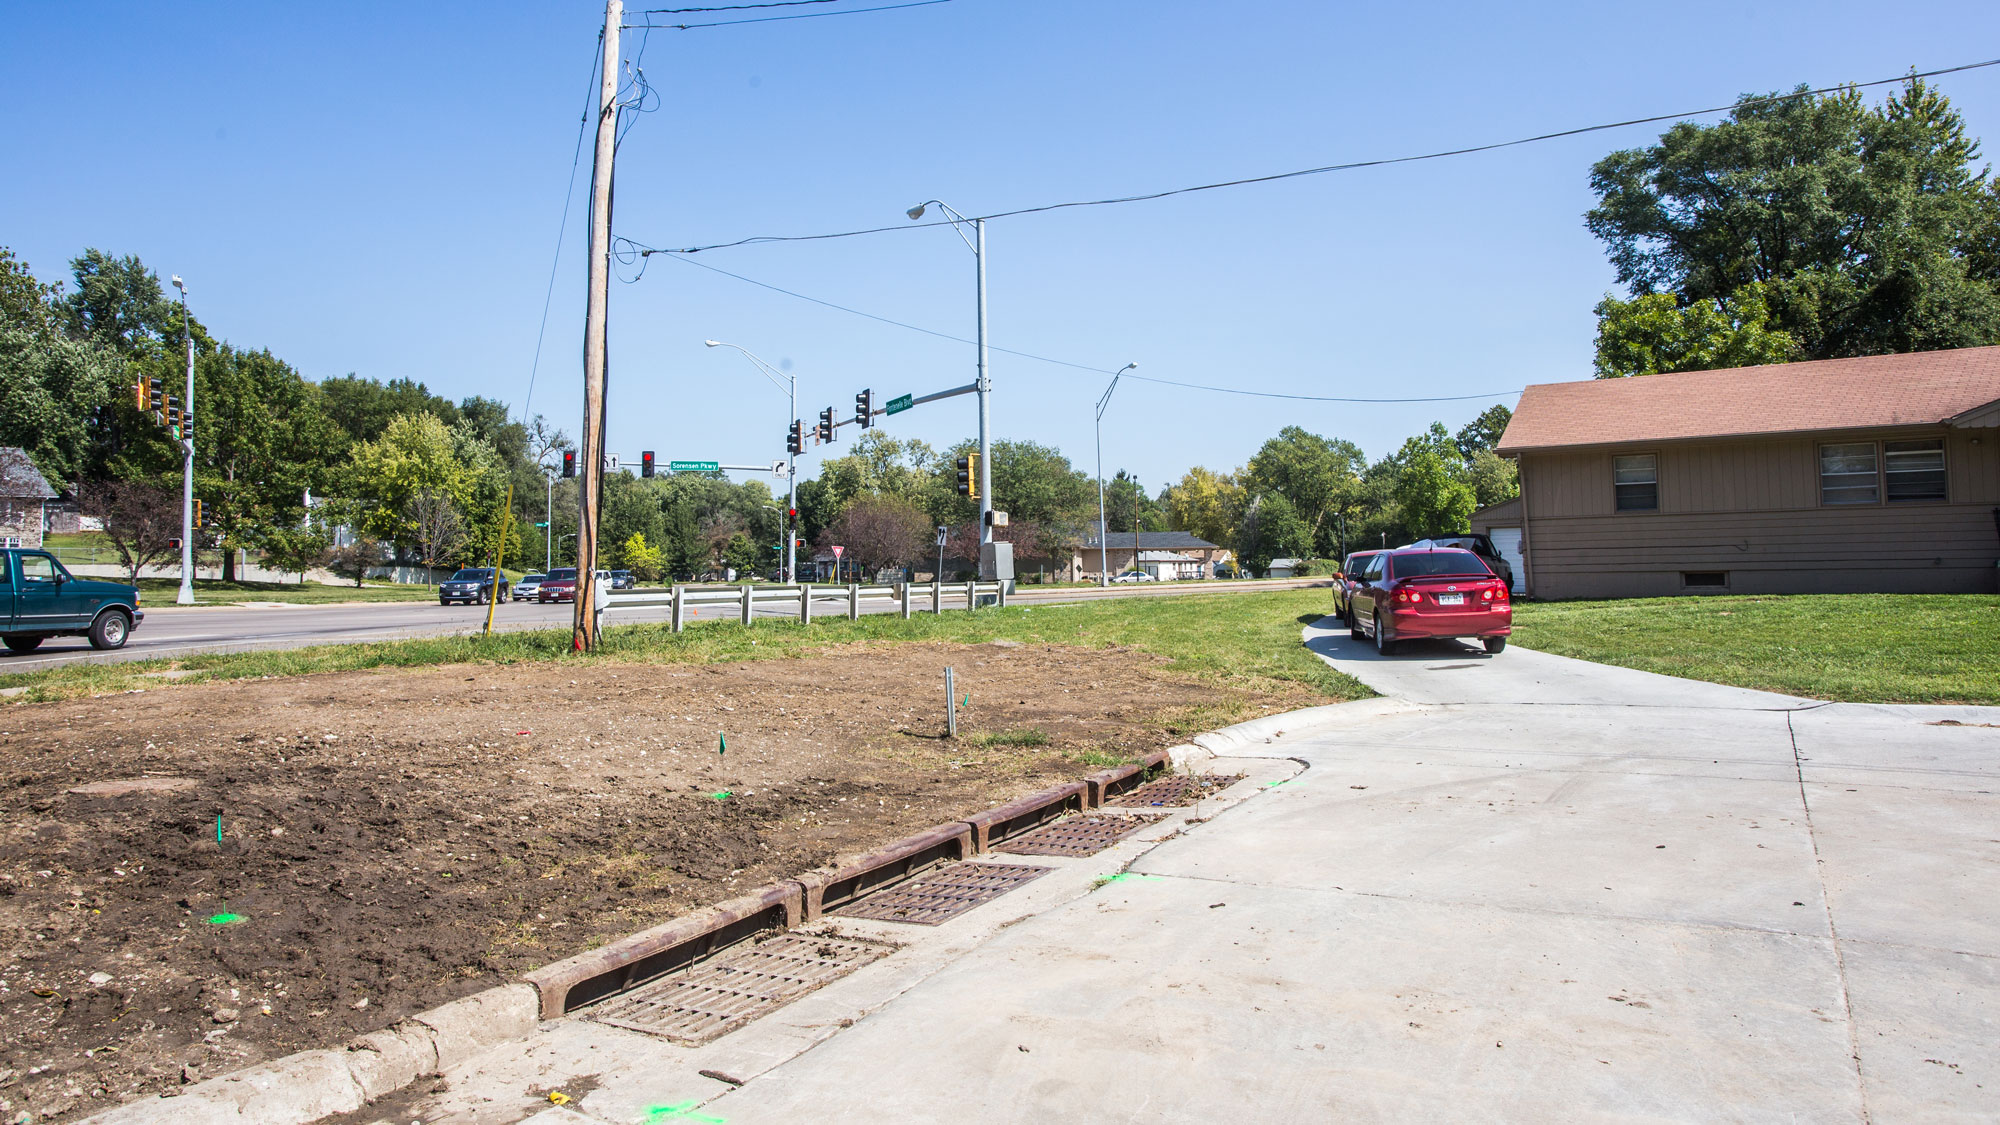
(392, 840)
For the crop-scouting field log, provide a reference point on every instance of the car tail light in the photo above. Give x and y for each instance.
(1407, 597)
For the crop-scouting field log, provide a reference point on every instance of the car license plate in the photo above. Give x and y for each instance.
(1451, 599)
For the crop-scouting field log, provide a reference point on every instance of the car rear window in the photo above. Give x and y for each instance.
(533, 577)
(562, 572)
(1419, 564)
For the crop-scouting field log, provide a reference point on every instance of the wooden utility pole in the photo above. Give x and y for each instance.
(583, 631)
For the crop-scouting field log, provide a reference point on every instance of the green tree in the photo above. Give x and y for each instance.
(1207, 505)
(118, 302)
(1494, 479)
(1432, 490)
(415, 454)
(1127, 507)
(1316, 475)
(1031, 482)
(364, 408)
(1272, 529)
(1869, 228)
(1654, 333)
(741, 555)
(686, 552)
(1484, 431)
(645, 562)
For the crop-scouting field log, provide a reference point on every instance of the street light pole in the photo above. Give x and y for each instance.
(186, 595)
(548, 521)
(1103, 525)
(984, 382)
(791, 459)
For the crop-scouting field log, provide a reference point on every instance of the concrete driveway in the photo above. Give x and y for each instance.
(1520, 888)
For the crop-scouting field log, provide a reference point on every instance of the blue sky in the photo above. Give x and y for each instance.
(376, 188)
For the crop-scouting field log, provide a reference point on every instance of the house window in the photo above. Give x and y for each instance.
(1913, 470)
(1704, 580)
(1847, 474)
(1636, 480)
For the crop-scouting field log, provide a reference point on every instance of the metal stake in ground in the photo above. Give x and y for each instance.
(950, 707)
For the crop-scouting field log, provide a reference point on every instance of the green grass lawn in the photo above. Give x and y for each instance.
(1862, 648)
(1246, 640)
(214, 591)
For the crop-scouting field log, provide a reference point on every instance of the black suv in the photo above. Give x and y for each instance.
(473, 584)
(1479, 545)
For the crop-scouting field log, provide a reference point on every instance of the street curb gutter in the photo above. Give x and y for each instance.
(310, 1085)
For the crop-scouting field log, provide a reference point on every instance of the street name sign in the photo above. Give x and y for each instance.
(693, 466)
(899, 404)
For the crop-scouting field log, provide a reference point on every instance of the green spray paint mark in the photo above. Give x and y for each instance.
(965, 703)
(680, 1111)
(722, 794)
(1125, 875)
(218, 828)
(1275, 784)
(224, 919)
(721, 743)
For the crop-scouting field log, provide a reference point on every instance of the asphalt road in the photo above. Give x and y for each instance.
(177, 630)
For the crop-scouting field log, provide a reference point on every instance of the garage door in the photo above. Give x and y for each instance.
(1507, 540)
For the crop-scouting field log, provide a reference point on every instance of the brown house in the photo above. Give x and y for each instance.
(1879, 474)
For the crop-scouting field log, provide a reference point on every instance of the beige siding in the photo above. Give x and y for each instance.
(1751, 509)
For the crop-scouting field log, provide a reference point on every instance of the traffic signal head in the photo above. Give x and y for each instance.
(826, 424)
(646, 463)
(139, 392)
(795, 438)
(569, 463)
(197, 513)
(864, 408)
(187, 426)
(154, 399)
(967, 468)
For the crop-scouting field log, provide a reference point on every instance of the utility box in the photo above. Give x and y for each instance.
(996, 562)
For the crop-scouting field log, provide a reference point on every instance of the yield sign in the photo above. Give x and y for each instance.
(838, 551)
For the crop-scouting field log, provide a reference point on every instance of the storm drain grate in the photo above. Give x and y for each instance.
(944, 894)
(728, 991)
(1174, 791)
(1079, 835)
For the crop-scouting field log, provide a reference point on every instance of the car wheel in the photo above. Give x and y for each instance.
(1383, 644)
(110, 629)
(1354, 624)
(22, 644)
(1494, 644)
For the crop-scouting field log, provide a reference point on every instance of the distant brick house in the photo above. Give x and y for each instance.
(1166, 555)
(24, 497)
(1872, 475)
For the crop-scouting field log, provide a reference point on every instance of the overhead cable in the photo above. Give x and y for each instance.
(1083, 366)
(775, 19)
(1346, 167)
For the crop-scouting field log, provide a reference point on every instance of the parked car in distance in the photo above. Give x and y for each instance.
(529, 586)
(1435, 592)
(1132, 576)
(558, 586)
(1345, 582)
(1478, 544)
(473, 584)
(623, 580)
(40, 599)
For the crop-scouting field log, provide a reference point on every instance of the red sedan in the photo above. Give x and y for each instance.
(560, 586)
(1430, 592)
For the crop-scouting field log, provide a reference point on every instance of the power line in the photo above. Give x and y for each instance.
(569, 192)
(1346, 167)
(775, 19)
(1081, 366)
(731, 7)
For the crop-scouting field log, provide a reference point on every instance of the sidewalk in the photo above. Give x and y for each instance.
(1523, 888)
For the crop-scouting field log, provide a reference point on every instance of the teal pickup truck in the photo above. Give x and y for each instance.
(39, 599)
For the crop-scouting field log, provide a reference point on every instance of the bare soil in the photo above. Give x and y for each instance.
(391, 840)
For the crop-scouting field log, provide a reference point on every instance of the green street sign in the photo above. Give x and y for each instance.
(899, 404)
(693, 466)
(542, 524)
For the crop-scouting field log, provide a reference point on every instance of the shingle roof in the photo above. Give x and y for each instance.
(1919, 388)
(1147, 540)
(19, 478)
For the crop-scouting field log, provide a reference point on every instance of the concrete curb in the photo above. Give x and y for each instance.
(313, 1084)
(309, 1085)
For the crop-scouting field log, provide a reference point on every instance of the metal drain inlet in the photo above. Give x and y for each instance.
(728, 991)
(944, 894)
(1079, 835)
(1173, 791)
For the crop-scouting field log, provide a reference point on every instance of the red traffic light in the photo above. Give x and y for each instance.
(569, 463)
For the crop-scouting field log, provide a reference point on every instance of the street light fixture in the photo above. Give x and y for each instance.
(1103, 525)
(985, 385)
(784, 380)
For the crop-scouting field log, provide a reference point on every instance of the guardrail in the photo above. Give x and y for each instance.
(801, 597)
